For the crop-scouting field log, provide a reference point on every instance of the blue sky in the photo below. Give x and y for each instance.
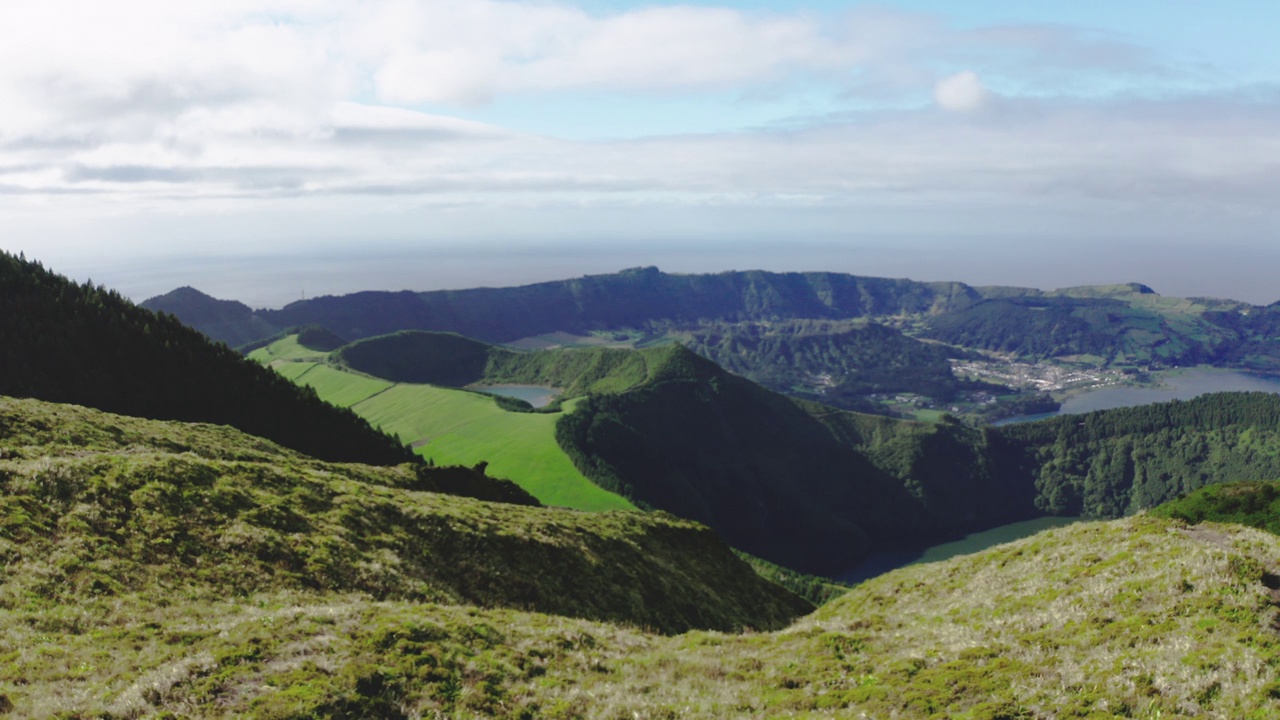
(444, 143)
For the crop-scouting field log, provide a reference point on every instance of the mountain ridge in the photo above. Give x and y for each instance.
(627, 298)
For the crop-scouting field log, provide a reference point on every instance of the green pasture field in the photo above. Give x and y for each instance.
(287, 349)
(454, 427)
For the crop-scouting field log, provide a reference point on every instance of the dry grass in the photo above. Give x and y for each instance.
(1133, 618)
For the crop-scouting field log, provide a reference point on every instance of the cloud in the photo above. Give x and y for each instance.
(465, 52)
(146, 102)
(962, 92)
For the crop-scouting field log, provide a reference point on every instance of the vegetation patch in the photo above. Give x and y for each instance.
(115, 505)
(450, 426)
(71, 343)
(1132, 618)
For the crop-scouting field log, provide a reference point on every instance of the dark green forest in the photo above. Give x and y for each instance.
(838, 361)
(79, 343)
(815, 488)
(774, 477)
(1114, 462)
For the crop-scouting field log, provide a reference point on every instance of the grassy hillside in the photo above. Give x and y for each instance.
(65, 342)
(1140, 618)
(96, 504)
(448, 426)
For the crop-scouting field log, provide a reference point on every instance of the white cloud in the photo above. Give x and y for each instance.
(147, 102)
(469, 51)
(962, 92)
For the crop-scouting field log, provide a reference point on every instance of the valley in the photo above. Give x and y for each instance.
(179, 567)
(663, 428)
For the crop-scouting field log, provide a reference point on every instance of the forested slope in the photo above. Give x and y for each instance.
(71, 343)
(839, 361)
(1113, 462)
(809, 487)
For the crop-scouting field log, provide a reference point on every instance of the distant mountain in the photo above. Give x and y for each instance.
(1126, 324)
(629, 298)
(1107, 328)
(70, 343)
(223, 320)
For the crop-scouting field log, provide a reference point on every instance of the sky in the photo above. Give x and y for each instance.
(267, 150)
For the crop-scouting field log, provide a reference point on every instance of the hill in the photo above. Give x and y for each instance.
(800, 484)
(1136, 618)
(1124, 324)
(835, 338)
(1114, 328)
(71, 343)
(454, 361)
(1115, 462)
(228, 321)
(667, 429)
(1253, 504)
(803, 485)
(207, 512)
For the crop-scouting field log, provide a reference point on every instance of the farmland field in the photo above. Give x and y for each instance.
(452, 427)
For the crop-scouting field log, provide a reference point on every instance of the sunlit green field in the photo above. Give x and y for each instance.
(452, 427)
(288, 349)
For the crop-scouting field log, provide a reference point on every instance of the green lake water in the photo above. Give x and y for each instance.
(883, 562)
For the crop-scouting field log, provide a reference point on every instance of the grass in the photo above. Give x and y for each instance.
(344, 389)
(166, 570)
(1139, 618)
(94, 505)
(454, 427)
(287, 349)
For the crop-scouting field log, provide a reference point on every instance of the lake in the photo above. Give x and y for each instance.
(536, 395)
(1179, 385)
(882, 562)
